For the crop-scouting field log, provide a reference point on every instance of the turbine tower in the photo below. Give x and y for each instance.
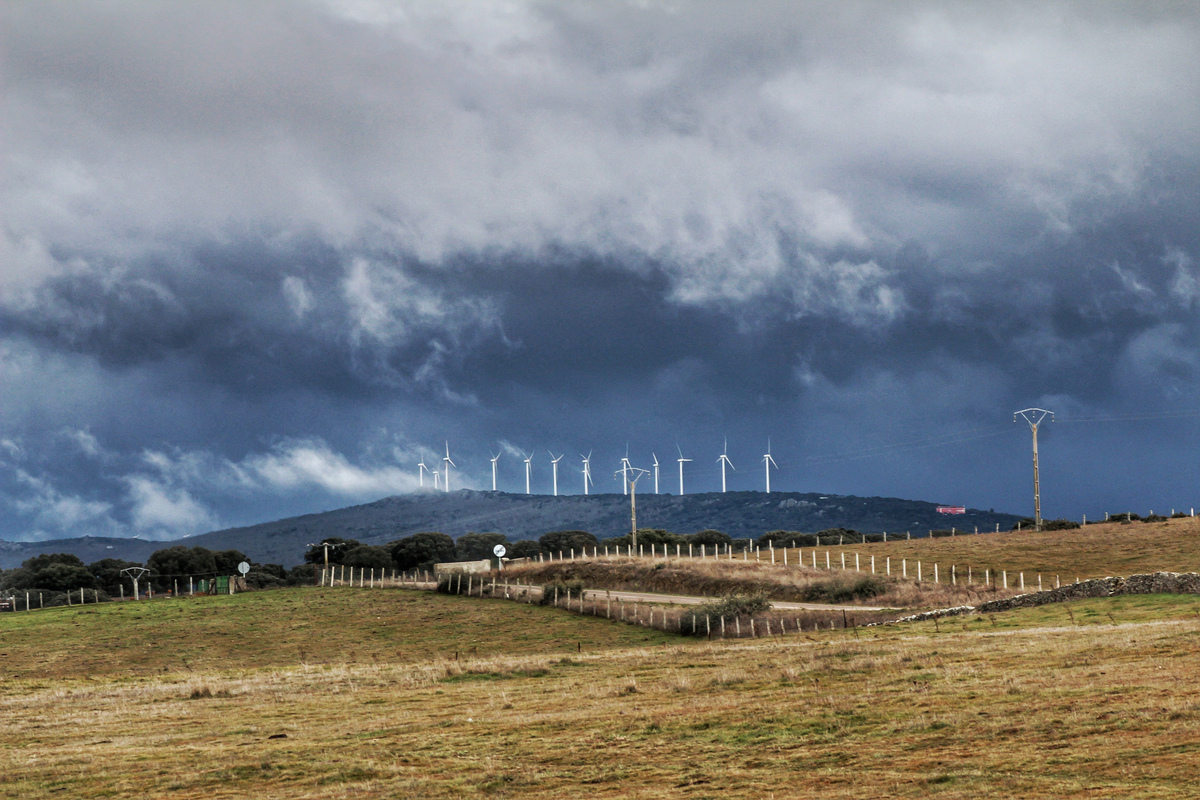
(446, 468)
(528, 458)
(681, 459)
(769, 462)
(587, 470)
(1034, 417)
(655, 472)
(436, 485)
(554, 461)
(495, 458)
(724, 459)
(424, 469)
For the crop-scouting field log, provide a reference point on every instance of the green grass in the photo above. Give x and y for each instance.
(292, 626)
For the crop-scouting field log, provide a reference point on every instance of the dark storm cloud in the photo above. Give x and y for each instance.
(254, 251)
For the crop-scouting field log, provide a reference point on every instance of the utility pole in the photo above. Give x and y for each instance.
(135, 574)
(637, 474)
(1035, 416)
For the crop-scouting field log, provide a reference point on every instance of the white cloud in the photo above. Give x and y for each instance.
(164, 511)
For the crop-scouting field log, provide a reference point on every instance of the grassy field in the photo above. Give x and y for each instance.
(288, 628)
(337, 693)
(1064, 556)
(1097, 702)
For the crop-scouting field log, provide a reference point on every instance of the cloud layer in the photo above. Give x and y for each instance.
(288, 243)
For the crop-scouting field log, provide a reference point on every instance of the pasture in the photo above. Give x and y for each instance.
(335, 693)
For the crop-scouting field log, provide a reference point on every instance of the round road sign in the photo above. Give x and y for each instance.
(499, 551)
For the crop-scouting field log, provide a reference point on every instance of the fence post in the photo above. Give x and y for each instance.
(918, 570)
(1022, 581)
(843, 561)
(856, 562)
(827, 560)
(935, 573)
(872, 564)
(904, 568)
(737, 626)
(1039, 581)
(889, 566)
(1005, 579)
(722, 618)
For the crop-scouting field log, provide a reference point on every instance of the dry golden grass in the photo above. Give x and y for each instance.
(963, 564)
(1095, 703)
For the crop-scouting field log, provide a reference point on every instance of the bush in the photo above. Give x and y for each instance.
(843, 590)
(422, 550)
(710, 537)
(302, 575)
(729, 607)
(336, 546)
(1059, 525)
(786, 539)
(565, 541)
(575, 587)
(839, 536)
(649, 536)
(478, 546)
(526, 548)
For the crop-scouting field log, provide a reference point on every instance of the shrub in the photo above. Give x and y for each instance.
(566, 541)
(736, 605)
(526, 548)
(1059, 525)
(478, 546)
(843, 590)
(839, 536)
(710, 537)
(786, 539)
(561, 587)
(422, 550)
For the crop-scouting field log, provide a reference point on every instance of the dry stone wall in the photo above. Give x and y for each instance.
(1152, 583)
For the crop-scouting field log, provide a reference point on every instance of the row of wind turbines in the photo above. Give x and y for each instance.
(441, 480)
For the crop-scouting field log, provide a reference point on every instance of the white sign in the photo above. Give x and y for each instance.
(499, 551)
(243, 567)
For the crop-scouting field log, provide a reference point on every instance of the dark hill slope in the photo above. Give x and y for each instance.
(519, 516)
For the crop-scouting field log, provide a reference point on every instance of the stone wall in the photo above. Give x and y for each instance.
(1152, 583)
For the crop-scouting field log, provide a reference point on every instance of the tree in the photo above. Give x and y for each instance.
(61, 572)
(711, 537)
(368, 557)
(181, 561)
(566, 541)
(107, 572)
(650, 536)
(477, 546)
(337, 547)
(422, 550)
(526, 548)
(228, 560)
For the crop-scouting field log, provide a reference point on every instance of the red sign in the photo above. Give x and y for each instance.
(952, 509)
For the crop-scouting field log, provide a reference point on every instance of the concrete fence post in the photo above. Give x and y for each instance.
(1022, 581)
(904, 568)
(918, 570)
(1005, 575)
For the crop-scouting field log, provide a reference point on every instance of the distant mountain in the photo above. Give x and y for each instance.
(520, 516)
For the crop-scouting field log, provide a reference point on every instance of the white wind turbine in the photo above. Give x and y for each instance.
(495, 458)
(528, 458)
(625, 467)
(724, 459)
(769, 462)
(655, 472)
(421, 474)
(446, 468)
(436, 485)
(681, 459)
(554, 462)
(587, 470)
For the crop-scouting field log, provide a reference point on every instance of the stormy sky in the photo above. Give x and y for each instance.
(260, 259)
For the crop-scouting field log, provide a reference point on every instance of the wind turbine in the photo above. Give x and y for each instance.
(724, 459)
(436, 485)
(625, 467)
(424, 469)
(495, 458)
(528, 458)
(681, 459)
(655, 472)
(554, 461)
(587, 470)
(446, 468)
(769, 462)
